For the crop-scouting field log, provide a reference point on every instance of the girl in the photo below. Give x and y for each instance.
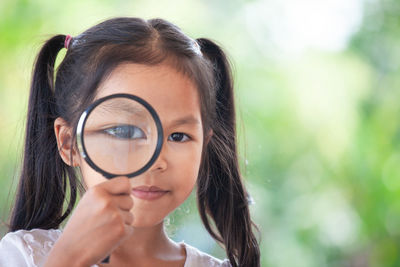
(189, 84)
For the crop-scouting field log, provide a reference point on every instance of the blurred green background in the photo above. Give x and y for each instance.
(318, 115)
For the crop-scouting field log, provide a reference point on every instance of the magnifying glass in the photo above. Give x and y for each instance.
(119, 135)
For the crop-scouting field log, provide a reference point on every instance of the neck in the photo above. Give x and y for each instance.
(152, 242)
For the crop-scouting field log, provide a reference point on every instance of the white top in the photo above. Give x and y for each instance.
(30, 248)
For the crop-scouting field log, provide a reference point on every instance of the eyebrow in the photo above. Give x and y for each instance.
(185, 120)
(124, 108)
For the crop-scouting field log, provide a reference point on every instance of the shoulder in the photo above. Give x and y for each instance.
(27, 247)
(197, 258)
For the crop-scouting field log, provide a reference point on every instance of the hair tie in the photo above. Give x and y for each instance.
(67, 41)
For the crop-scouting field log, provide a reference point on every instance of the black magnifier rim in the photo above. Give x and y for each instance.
(80, 134)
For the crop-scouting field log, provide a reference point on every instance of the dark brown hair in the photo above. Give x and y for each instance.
(46, 182)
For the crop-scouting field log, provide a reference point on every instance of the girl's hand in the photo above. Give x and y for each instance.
(99, 223)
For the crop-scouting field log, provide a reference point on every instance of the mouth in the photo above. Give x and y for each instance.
(148, 192)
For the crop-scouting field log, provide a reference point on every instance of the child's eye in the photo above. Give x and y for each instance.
(126, 132)
(178, 137)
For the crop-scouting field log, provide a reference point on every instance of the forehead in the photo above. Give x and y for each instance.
(171, 93)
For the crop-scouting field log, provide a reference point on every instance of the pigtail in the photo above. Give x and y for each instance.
(221, 193)
(43, 182)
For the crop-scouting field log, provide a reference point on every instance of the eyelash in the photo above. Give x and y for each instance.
(188, 138)
(125, 132)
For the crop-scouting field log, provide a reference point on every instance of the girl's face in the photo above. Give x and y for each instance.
(175, 99)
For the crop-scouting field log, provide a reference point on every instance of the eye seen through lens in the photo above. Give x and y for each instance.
(126, 132)
(121, 136)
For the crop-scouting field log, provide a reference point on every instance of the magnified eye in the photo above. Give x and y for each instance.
(126, 132)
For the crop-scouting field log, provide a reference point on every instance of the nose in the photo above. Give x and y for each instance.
(161, 162)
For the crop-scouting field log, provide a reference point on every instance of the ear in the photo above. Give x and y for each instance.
(208, 136)
(63, 134)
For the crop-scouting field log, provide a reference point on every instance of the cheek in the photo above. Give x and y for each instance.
(89, 176)
(186, 168)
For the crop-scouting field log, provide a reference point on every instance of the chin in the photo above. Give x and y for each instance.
(147, 219)
(146, 223)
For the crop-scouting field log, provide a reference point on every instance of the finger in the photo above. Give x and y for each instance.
(117, 186)
(124, 202)
(128, 231)
(128, 217)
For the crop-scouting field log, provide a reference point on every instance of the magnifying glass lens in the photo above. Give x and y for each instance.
(120, 135)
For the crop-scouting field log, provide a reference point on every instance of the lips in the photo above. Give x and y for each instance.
(148, 192)
(148, 188)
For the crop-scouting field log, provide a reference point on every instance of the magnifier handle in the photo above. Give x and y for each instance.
(106, 260)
